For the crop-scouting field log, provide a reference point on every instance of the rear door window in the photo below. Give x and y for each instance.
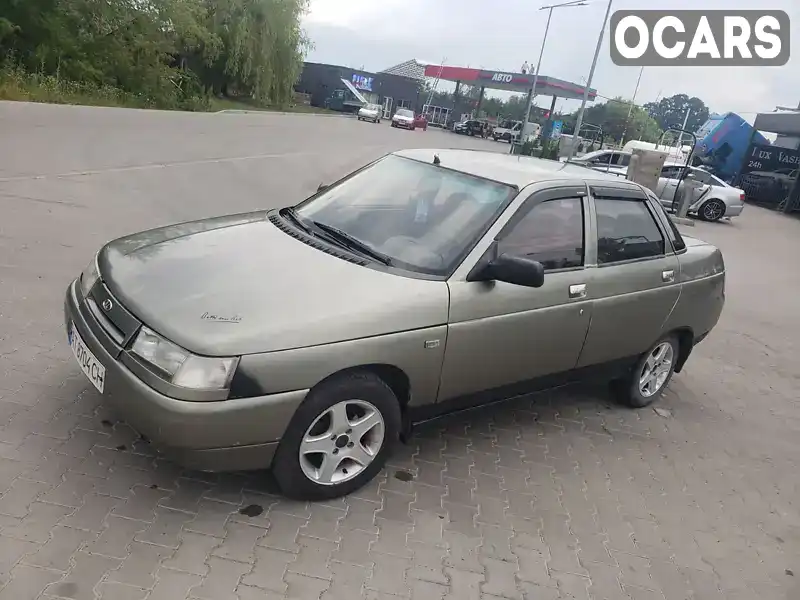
(626, 230)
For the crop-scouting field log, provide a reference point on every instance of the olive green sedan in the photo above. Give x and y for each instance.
(309, 339)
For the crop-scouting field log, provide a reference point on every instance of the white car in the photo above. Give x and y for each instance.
(720, 200)
(370, 112)
(403, 118)
(607, 161)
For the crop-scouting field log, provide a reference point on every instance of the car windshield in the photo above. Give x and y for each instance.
(405, 113)
(421, 217)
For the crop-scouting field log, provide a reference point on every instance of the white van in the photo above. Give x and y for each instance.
(508, 131)
(673, 154)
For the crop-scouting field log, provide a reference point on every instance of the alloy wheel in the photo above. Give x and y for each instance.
(656, 369)
(342, 442)
(713, 210)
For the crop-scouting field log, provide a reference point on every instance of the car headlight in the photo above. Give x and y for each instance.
(183, 368)
(89, 277)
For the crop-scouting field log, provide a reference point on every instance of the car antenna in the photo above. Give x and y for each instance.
(436, 159)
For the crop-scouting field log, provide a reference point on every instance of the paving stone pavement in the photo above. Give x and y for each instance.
(562, 495)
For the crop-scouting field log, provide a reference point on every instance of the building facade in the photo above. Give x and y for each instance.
(345, 89)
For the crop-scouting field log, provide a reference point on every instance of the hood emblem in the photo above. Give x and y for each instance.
(107, 305)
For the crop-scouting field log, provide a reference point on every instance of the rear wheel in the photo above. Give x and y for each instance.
(651, 374)
(339, 438)
(712, 210)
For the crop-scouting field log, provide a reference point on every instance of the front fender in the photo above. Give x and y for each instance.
(418, 354)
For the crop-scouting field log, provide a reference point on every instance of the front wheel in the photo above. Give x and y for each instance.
(651, 374)
(338, 439)
(711, 210)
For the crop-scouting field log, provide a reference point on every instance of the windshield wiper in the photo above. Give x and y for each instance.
(291, 214)
(347, 240)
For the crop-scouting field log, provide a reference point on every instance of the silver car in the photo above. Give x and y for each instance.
(309, 339)
(717, 199)
(370, 112)
(403, 118)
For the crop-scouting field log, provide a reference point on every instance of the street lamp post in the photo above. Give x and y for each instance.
(579, 121)
(549, 10)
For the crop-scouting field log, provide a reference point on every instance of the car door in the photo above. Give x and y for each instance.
(667, 184)
(501, 334)
(635, 282)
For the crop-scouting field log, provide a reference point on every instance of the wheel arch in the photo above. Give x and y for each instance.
(685, 337)
(394, 377)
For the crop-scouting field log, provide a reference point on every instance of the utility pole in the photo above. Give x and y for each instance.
(630, 109)
(683, 128)
(588, 84)
(536, 76)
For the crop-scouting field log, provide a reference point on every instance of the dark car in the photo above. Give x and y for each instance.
(768, 187)
(471, 127)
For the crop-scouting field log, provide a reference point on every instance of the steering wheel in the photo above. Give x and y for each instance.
(400, 243)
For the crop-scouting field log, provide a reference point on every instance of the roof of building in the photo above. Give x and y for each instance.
(413, 69)
(519, 171)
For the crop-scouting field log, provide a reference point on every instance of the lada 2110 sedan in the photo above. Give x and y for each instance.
(308, 339)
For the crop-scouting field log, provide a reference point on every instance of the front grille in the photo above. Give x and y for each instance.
(117, 322)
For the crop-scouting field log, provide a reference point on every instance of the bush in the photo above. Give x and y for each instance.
(17, 84)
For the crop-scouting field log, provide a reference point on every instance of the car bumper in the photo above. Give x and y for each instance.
(403, 124)
(229, 435)
(734, 210)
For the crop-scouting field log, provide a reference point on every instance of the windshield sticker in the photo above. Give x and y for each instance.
(220, 319)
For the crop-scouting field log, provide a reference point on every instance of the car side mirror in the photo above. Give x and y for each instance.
(515, 270)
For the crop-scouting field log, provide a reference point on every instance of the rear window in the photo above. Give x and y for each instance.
(626, 231)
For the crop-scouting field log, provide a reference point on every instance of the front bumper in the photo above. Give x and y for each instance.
(403, 124)
(228, 435)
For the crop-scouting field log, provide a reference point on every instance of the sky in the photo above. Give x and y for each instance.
(503, 34)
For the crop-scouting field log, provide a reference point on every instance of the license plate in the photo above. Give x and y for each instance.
(91, 367)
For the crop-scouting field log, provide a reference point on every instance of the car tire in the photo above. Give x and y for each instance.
(711, 210)
(651, 375)
(340, 397)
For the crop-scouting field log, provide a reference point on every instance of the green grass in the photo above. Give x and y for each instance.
(18, 85)
(21, 86)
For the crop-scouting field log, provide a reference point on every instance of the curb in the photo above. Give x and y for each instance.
(234, 111)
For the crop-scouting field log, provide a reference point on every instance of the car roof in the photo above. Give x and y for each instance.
(515, 170)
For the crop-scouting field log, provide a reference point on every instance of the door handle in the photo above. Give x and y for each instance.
(577, 291)
(668, 276)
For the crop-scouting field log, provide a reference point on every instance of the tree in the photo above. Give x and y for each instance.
(669, 112)
(164, 52)
(612, 117)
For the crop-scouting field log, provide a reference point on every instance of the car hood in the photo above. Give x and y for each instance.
(402, 118)
(240, 285)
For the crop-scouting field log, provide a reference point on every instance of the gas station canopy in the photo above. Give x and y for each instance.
(511, 82)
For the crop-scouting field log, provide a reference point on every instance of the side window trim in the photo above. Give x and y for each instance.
(665, 224)
(552, 194)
